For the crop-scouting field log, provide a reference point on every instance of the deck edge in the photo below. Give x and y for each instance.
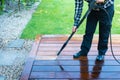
(29, 61)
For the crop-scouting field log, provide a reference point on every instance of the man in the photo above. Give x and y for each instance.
(96, 15)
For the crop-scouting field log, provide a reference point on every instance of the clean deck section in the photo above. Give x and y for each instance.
(43, 64)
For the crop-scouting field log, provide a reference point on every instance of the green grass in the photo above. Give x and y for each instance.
(56, 17)
(116, 19)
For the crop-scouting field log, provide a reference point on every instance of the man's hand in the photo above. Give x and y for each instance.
(100, 1)
(74, 28)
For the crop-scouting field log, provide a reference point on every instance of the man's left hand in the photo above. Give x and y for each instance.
(100, 1)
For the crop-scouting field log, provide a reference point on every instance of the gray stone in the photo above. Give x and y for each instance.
(2, 78)
(7, 58)
(18, 43)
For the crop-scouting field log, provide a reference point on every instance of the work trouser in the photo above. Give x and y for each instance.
(104, 29)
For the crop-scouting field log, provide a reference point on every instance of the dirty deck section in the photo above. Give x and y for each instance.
(43, 64)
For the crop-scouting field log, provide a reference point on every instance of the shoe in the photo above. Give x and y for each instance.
(78, 54)
(100, 57)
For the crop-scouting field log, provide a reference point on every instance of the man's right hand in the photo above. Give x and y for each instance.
(74, 29)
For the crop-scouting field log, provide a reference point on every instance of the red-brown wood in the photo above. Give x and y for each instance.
(44, 64)
(71, 62)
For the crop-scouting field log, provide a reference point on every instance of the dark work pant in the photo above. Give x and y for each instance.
(104, 29)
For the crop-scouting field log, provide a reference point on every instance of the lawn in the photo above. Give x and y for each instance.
(56, 17)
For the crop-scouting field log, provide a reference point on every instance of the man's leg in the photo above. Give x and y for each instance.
(104, 30)
(87, 39)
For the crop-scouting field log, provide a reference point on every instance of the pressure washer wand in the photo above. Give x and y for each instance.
(92, 3)
(65, 43)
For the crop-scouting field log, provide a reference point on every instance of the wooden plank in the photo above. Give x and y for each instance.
(78, 38)
(76, 75)
(70, 68)
(71, 58)
(73, 62)
(75, 42)
(46, 68)
(75, 37)
(78, 46)
(69, 49)
(64, 53)
(70, 45)
(42, 75)
(28, 64)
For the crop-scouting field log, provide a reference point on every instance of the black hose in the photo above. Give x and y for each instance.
(112, 49)
(111, 37)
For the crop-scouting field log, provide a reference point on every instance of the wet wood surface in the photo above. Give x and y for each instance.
(44, 64)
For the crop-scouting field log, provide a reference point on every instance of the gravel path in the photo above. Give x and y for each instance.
(10, 29)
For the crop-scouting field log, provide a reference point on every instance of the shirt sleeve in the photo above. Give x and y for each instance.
(108, 3)
(78, 11)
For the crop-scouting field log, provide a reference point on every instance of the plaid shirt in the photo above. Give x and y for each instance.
(78, 9)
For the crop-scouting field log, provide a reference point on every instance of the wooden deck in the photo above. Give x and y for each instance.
(43, 64)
